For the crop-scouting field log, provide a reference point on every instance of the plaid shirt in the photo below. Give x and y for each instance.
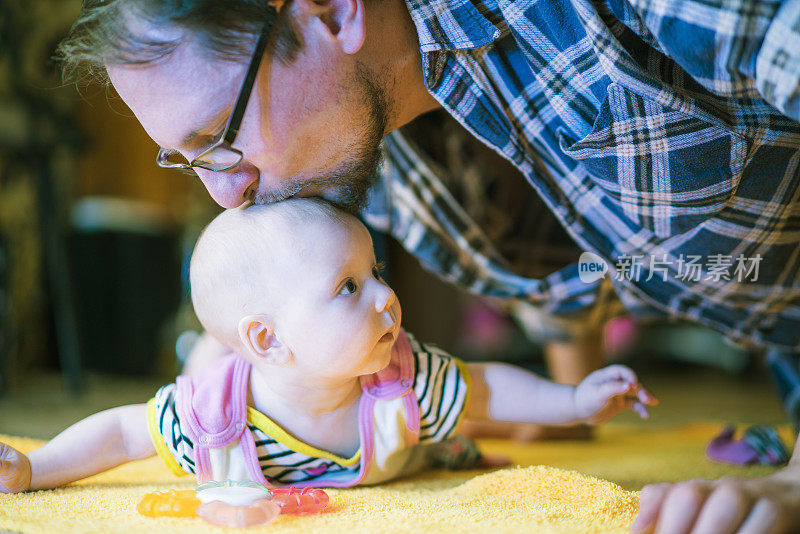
(662, 134)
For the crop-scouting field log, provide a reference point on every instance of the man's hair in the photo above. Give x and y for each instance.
(103, 33)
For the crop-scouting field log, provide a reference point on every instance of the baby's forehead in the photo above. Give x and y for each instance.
(313, 255)
(305, 231)
(290, 231)
(328, 237)
(311, 231)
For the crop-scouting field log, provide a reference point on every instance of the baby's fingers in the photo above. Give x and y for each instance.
(616, 372)
(7, 452)
(640, 409)
(614, 388)
(646, 397)
(630, 403)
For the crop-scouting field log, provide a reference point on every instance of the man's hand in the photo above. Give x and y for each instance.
(608, 391)
(769, 504)
(15, 470)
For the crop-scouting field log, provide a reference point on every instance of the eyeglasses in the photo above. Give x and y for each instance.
(221, 155)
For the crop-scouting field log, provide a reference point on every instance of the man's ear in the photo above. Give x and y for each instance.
(340, 20)
(257, 334)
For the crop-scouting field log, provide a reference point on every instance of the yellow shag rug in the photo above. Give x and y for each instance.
(557, 487)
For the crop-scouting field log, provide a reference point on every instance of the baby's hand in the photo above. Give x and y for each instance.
(608, 391)
(15, 470)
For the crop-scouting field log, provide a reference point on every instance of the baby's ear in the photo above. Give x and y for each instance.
(257, 334)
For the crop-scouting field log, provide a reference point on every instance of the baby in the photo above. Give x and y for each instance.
(323, 388)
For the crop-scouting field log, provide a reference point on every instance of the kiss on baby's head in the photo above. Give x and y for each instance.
(293, 289)
(295, 282)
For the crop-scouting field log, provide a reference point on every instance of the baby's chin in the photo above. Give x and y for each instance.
(380, 362)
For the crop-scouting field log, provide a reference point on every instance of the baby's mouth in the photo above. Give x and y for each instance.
(387, 337)
(390, 335)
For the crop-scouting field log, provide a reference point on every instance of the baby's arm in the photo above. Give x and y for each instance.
(507, 393)
(95, 444)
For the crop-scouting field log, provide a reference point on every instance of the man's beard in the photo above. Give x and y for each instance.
(347, 185)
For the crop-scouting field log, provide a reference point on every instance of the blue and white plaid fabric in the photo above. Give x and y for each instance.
(663, 134)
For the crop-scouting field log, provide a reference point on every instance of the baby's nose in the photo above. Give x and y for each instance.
(385, 299)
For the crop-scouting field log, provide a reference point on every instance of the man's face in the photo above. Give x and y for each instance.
(311, 128)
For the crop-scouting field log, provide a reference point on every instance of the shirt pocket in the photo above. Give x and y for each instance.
(665, 168)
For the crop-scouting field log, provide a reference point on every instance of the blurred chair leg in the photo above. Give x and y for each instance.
(5, 364)
(786, 375)
(57, 266)
(570, 361)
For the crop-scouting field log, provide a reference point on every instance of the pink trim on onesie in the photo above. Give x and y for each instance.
(213, 409)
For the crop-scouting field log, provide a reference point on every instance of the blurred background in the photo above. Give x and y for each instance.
(95, 241)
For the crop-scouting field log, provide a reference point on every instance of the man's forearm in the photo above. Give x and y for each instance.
(93, 445)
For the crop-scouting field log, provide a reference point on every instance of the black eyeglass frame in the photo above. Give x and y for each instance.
(228, 135)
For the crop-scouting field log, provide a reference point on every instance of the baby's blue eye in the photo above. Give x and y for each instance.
(349, 287)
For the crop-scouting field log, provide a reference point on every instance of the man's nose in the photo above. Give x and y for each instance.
(228, 189)
(385, 298)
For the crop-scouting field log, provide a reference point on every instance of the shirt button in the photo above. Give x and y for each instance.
(405, 383)
(203, 439)
(767, 326)
(239, 426)
(373, 390)
(692, 301)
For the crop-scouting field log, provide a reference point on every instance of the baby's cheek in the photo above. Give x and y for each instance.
(354, 346)
(398, 312)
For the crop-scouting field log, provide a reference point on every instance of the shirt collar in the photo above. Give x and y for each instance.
(448, 25)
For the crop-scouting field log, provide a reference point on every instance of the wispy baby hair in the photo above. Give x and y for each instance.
(235, 256)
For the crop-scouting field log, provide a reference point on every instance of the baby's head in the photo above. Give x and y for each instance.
(295, 284)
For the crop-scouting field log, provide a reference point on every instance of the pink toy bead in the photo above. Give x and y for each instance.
(222, 514)
(299, 501)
